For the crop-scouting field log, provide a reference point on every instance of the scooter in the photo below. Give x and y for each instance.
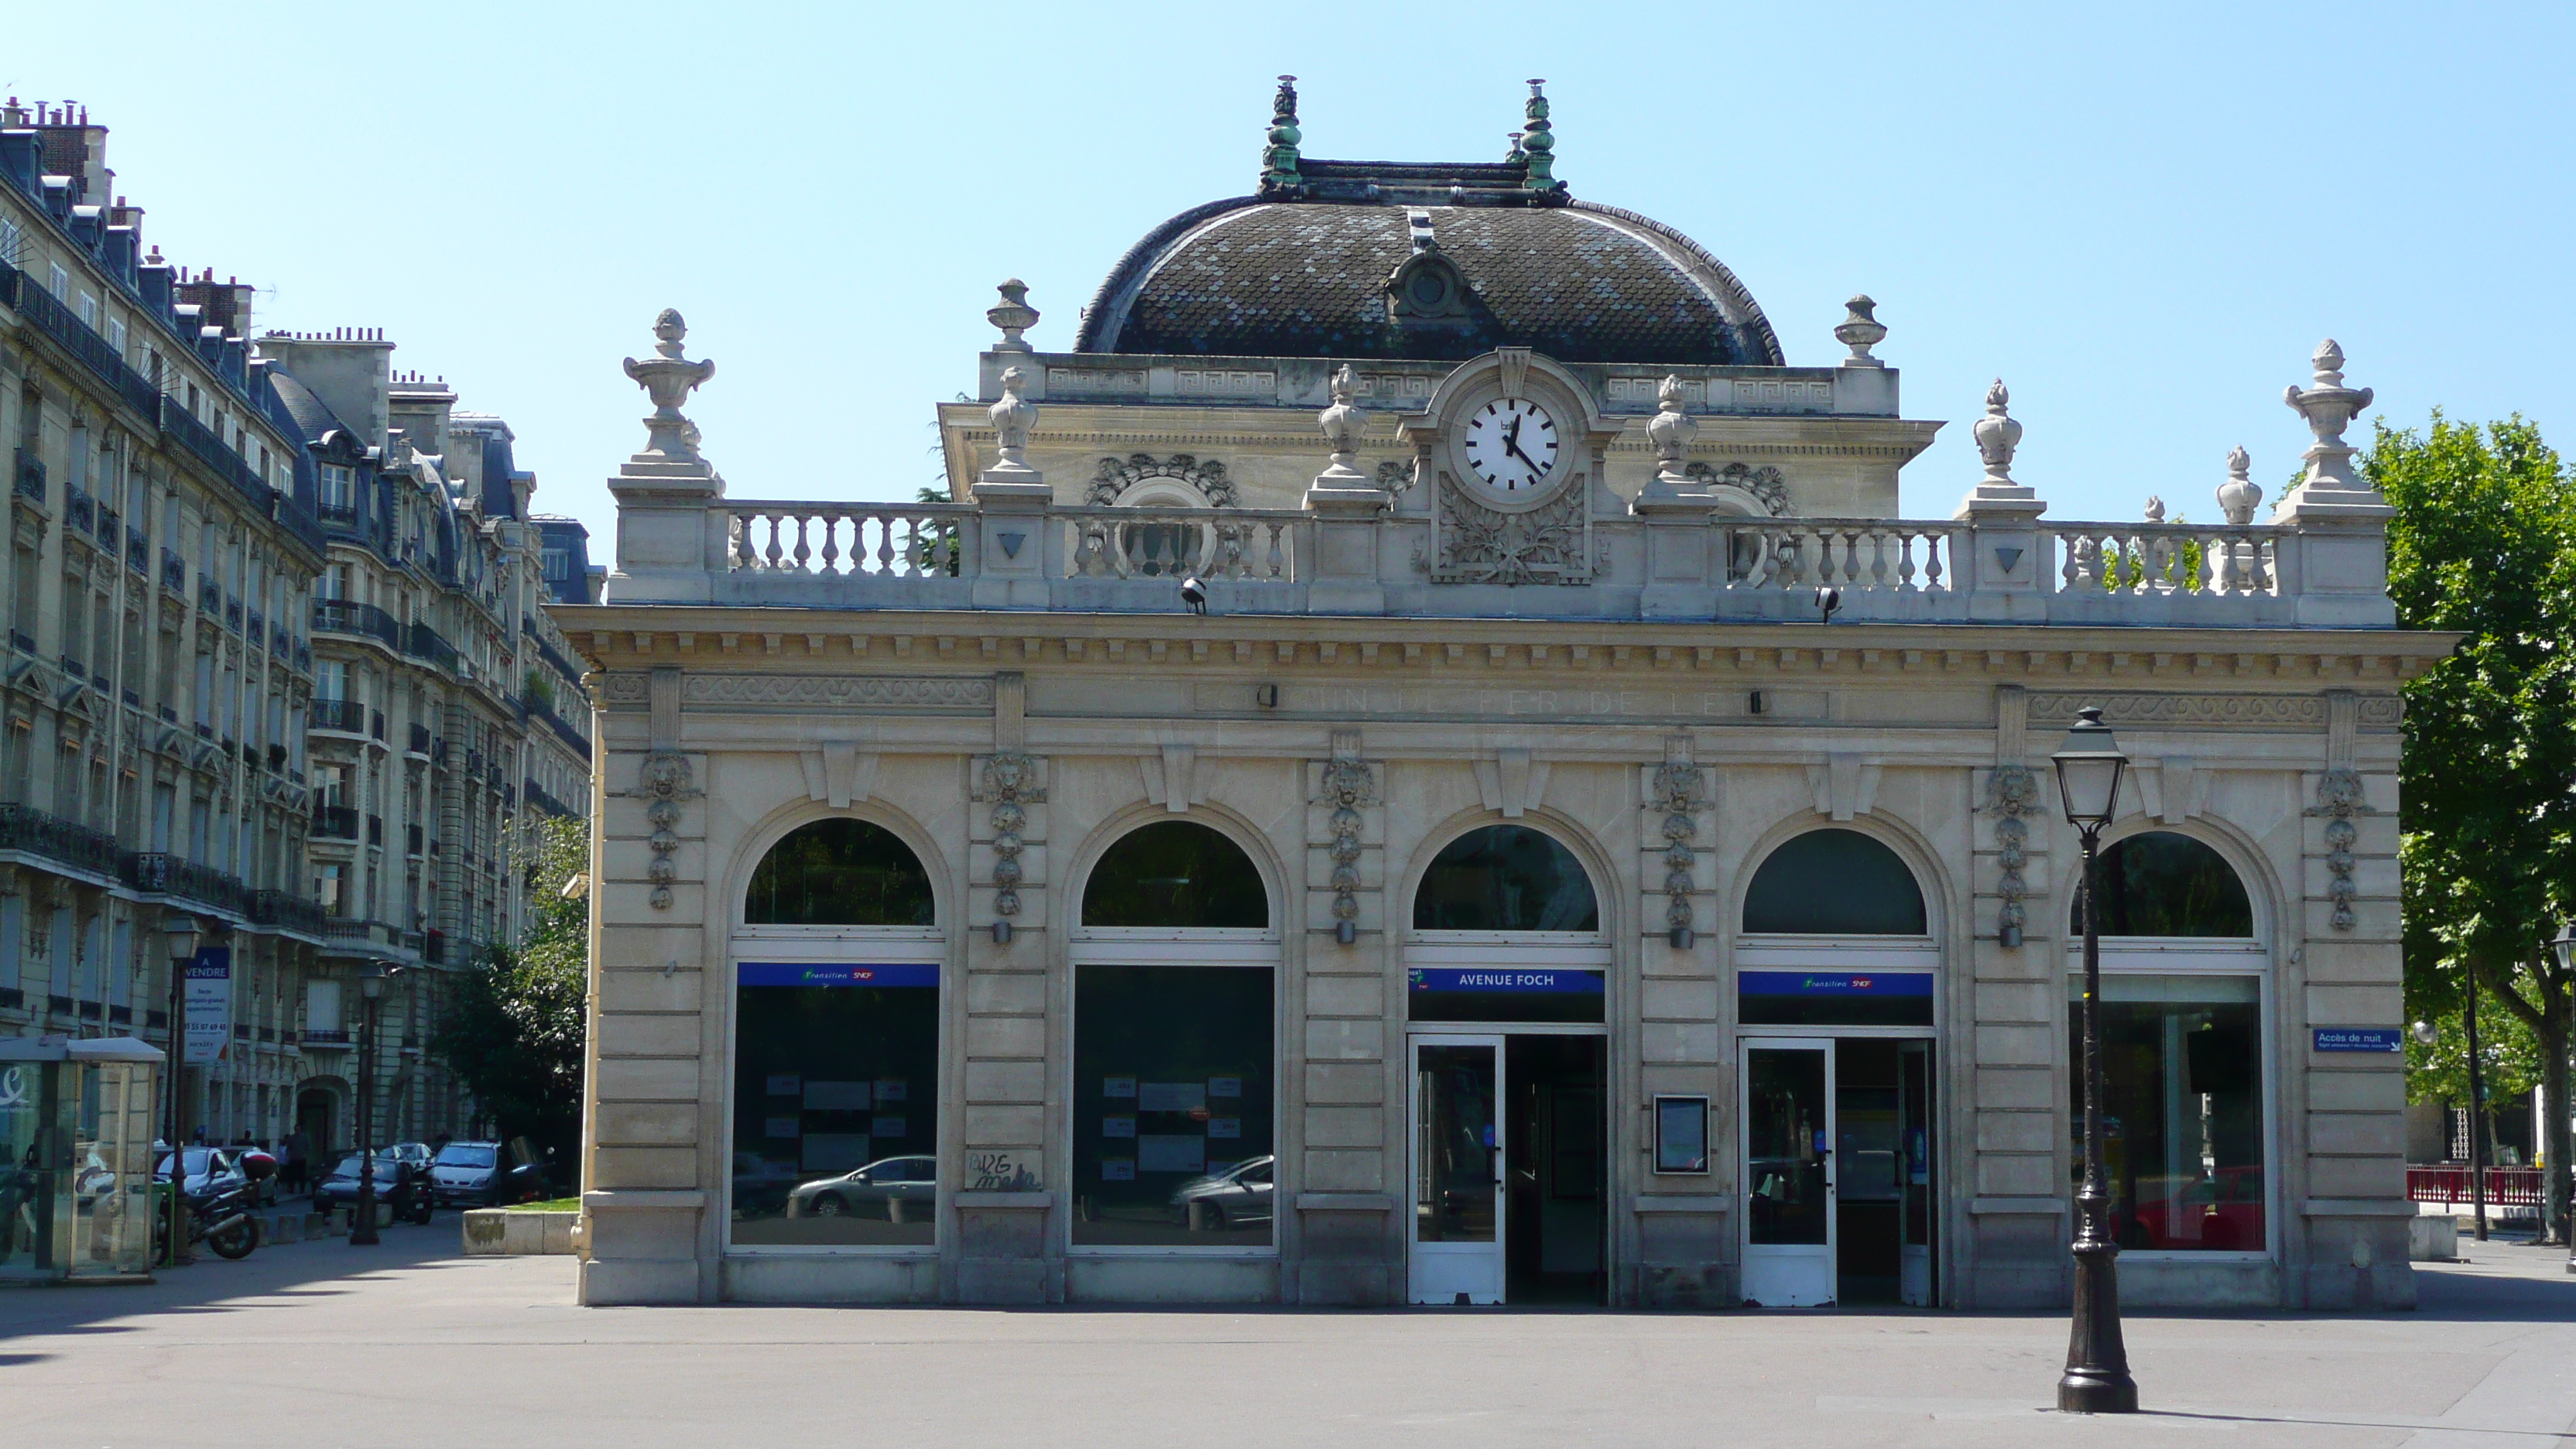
(222, 1222)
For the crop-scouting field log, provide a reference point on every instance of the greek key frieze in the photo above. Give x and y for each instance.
(2234, 711)
(867, 691)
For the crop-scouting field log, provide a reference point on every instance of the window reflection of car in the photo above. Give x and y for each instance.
(487, 1174)
(1238, 1196)
(871, 1190)
(2222, 1212)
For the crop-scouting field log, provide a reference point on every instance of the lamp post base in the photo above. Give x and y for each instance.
(2097, 1360)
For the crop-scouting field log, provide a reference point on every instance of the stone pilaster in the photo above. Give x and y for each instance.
(1008, 1187)
(1335, 1071)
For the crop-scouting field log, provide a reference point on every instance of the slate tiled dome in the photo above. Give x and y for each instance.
(1577, 282)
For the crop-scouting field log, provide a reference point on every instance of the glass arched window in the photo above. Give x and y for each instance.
(1176, 873)
(1505, 878)
(2164, 884)
(1834, 883)
(839, 873)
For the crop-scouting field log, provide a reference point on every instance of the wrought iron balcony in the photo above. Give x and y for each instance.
(350, 616)
(286, 911)
(335, 822)
(28, 479)
(53, 839)
(340, 716)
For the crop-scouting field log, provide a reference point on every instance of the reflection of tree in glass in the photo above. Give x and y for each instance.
(2164, 884)
(1505, 878)
(839, 873)
(1179, 874)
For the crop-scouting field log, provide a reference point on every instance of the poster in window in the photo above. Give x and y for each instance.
(893, 1089)
(885, 1126)
(1117, 1126)
(1118, 1087)
(1171, 1152)
(787, 1127)
(1225, 1127)
(786, 1084)
(1681, 1134)
(1225, 1086)
(1171, 1096)
(1118, 1169)
(837, 1096)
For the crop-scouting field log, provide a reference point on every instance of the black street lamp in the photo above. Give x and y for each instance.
(2097, 1362)
(371, 984)
(179, 932)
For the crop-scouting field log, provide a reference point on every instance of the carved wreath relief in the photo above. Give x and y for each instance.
(2011, 793)
(664, 783)
(2339, 798)
(1349, 783)
(1680, 793)
(1010, 786)
(1550, 544)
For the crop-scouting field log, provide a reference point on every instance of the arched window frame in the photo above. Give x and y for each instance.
(1773, 951)
(1575, 947)
(835, 944)
(2240, 958)
(1217, 948)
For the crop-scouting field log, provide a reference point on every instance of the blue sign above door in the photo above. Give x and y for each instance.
(1441, 978)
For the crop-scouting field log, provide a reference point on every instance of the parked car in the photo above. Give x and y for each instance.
(761, 1184)
(207, 1171)
(392, 1177)
(487, 1174)
(1239, 1196)
(2222, 1212)
(418, 1154)
(870, 1191)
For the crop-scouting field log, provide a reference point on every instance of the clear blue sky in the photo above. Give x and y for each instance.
(2143, 218)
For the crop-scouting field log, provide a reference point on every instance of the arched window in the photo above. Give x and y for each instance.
(839, 873)
(2164, 884)
(1175, 873)
(1505, 878)
(1834, 883)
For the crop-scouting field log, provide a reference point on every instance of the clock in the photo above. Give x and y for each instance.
(1510, 444)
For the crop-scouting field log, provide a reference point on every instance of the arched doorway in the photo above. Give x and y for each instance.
(1175, 1049)
(1836, 988)
(2182, 1009)
(835, 1112)
(1506, 995)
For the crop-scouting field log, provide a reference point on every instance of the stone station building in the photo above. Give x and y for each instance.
(1553, 834)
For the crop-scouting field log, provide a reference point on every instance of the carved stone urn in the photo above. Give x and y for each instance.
(2239, 495)
(668, 377)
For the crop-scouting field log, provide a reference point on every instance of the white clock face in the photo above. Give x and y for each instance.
(1511, 445)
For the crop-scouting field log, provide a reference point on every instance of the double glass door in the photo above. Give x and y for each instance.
(1837, 1171)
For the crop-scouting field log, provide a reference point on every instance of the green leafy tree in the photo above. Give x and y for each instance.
(514, 1030)
(2484, 542)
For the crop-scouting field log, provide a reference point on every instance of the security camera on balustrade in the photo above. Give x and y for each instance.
(1829, 601)
(1194, 595)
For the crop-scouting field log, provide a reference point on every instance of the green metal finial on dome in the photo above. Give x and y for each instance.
(1279, 159)
(1539, 141)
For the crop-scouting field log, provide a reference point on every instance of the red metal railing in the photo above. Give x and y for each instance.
(2506, 1186)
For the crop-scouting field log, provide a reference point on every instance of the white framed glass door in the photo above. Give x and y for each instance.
(1455, 1237)
(1789, 1207)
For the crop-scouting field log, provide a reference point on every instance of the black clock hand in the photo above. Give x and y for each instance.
(1513, 447)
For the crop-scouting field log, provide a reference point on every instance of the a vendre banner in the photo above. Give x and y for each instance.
(210, 1005)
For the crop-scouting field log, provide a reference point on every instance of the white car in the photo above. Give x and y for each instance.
(1237, 1196)
(870, 1191)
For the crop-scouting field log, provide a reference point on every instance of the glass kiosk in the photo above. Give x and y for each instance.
(76, 1124)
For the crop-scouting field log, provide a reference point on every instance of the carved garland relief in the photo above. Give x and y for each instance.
(1010, 786)
(2012, 792)
(2339, 799)
(1349, 784)
(1680, 793)
(1549, 544)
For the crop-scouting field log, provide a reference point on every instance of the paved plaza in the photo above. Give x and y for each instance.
(322, 1345)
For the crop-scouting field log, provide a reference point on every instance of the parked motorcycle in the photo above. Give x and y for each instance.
(222, 1221)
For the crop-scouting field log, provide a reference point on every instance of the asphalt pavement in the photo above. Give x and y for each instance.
(323, 1344)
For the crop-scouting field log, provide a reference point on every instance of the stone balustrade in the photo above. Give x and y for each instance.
(1131, 560)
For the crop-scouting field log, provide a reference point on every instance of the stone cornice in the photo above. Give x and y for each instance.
(858, 643)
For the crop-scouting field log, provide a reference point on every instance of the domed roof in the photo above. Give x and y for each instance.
(1256, 277)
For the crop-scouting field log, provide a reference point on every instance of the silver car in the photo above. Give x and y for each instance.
(871, 1191)
(1238, 1196)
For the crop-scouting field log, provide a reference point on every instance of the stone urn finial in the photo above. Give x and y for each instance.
(1012, 417)
(1860, 331)
(1342, 423)
(1997, 435)
(2329, 407)
(1013, 315)
(2155, 509)
(1671, 430)
(2239, 495)
(668, 377)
